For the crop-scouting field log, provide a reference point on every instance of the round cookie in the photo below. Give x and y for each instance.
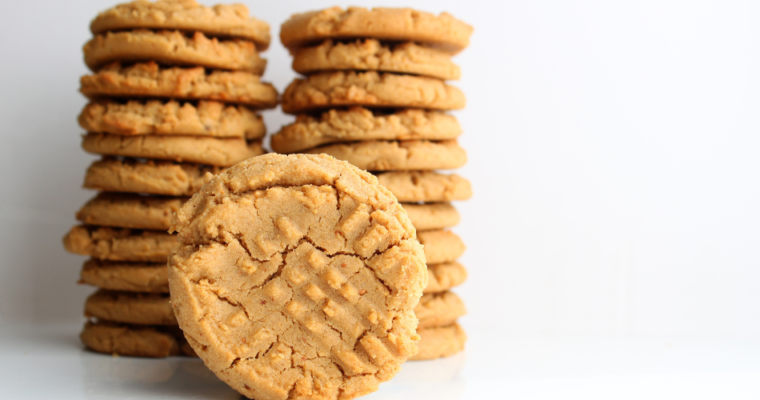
(376, 155)
(428, 186)
(440, 342)
(130, 307)
(129, 211)
(119, 244)
(439, 309)
(296, 277)
(227, 20)
(357, 123)
(153, 117)
(134, 340)
(369, 89)
(442, 277)
(149, 176)
(128, 277)
(432, 215)
(150, 80)
(393, 24)
(173, 48)
(222, 152)
(441, 246)
(372, 55)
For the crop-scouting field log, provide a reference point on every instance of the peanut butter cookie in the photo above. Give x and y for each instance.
(415, 186)
(134, 340)
(222, 152)
(441, 246)
(376, 155)
(128, 277)
(359, 123)
(173, 48)
(227, 20)
(439, 309)
(130, 211)
(296, 277)
(442, 277)
(430, 216)
(150, 80)
(130, 307)
(394, 24)
(372, 55)
(119, 244)
(207, 118)
(440, 342)
(150, 176)
(369, 89)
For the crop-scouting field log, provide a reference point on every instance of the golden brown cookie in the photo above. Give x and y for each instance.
(429, 216)
(173, 48)
(222, 152)
(442, 277)
(134, 340)
(149, 176)
(440, 342)
(150, 80)
(441, 246)
(377, 155)
(123, 276)
(372, 55)
(130, 307)
(394, 24)
(153, 117)
(296, 278)
(119, 244)
(359, 123)
(369, 89)
(130, 211)
(226, 20)
(439, 309)
(415, 186)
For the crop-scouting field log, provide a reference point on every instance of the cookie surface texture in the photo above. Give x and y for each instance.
(129, 211)
(231, 20)
(381, 155)
(149, 176)
(130, 307)
(440, 342)
(117, 244)
(132, 340)
(296, 277)
(415, 186)
(129, 277)
(394, 24)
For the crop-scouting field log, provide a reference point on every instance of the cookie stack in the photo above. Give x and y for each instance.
(374, 94)
(173, 96)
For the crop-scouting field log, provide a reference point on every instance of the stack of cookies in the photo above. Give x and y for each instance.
(173, 96)
(375, 94)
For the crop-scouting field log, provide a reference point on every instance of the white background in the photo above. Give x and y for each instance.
(613, 151)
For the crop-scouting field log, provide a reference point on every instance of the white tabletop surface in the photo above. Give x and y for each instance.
(47, 361)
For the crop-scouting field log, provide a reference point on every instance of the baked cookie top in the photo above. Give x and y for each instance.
(395, 24)
(230, 20)
(296, 277)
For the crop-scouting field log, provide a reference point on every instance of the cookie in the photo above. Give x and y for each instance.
(296, 278)
(416, 186)
(359, 123)
(129, 211)
(130, 307)
(440, 342)
(173, 48)
(150, 80)
(149, 176)
(372, 55)
(442, 277)
(129, 277)
(226, 20)
(377, 155)
(369, 89)
(134, 340)
(222, 152)
(439, 309)
(119, 244)
(441, 246)
(432, 215)
(153, 117)
(394, 24)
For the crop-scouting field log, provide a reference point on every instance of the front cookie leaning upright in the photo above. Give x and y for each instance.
(297, 277)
